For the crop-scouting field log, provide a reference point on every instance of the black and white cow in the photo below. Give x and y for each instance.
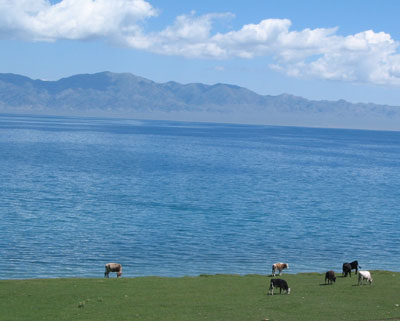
(278, 283)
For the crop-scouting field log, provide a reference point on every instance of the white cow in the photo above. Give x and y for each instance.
(364, 275)
(113, 267)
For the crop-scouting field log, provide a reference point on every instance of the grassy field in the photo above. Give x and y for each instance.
(216, 297)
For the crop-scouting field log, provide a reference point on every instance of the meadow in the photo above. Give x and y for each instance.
(205, 297)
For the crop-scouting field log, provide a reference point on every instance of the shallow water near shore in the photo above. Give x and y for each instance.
(174, 198)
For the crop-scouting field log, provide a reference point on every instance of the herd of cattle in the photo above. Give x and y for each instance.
(329, 276)
(279, 267)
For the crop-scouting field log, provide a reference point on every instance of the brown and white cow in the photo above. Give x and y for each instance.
(113, 267)
(279, 267)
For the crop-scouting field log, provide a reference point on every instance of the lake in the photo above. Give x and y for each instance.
(177, 198)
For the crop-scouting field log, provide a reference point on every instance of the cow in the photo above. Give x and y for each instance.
(353, 266)
(113, 267)
(279, 267)
(364, 275)
(278, 283)
(330, 276)
(346, 269)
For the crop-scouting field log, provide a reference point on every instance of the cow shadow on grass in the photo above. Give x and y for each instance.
(277, 293)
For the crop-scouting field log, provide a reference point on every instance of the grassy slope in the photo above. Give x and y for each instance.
(219, 297)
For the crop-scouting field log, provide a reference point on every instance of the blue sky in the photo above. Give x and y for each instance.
(314, 49)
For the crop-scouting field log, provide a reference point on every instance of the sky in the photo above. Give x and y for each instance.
(314, 49)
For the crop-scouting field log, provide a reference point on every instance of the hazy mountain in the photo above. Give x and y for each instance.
(127, 95)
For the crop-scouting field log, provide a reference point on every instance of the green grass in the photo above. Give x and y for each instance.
(216, 297)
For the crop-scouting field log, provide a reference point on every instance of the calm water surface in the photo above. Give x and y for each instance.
(174, 198)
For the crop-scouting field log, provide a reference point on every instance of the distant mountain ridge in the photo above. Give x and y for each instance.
(126, 95)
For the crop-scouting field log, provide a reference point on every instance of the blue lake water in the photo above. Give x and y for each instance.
(173, 198)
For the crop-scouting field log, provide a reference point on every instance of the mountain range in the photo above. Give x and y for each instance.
(108, 94)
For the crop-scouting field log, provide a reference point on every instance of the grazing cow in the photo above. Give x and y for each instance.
(278, 283)
(346, 269)
(364, 275)
(279, 267)
(330, 276)
(353, 266)
(113, 267)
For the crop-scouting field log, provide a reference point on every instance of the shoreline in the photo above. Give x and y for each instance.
(338, 273)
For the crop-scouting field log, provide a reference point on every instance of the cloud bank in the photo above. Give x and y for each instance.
(368, 56)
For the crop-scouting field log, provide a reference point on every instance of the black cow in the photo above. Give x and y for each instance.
(347, 267)
(330, 276)
(355, 266)
(278, 283)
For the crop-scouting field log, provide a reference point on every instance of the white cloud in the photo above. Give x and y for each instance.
(189, 36)
(367, 56)
(39, 20)
(364, 57)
